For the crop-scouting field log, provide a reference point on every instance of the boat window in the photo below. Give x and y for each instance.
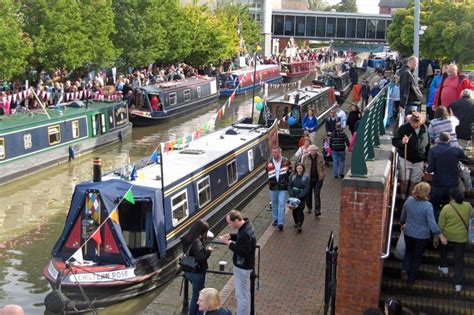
(75, 129)
(187, 95)
(204, 191)
(250, 158)
(179, 207)
(2, 148)
(102, 122)
(198, 91)
(54, 134)
(173, 99)
(232, 173)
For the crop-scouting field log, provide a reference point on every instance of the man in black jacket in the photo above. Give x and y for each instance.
(410, 94)
(414, 137)
(463, 109)
(243, 245)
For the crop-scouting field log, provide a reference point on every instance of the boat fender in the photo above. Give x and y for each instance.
(56, 302)
(71, 153)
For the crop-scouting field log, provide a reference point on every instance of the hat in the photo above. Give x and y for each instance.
(416, 118)
(293, 202)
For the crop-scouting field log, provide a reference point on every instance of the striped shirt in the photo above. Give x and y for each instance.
(438, 125)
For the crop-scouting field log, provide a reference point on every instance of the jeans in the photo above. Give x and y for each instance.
(197, 281)
(242, 290)
(413, 255)
(338, 160)
(459, 249)
(440, 196)
(314, 189)
(278, 198)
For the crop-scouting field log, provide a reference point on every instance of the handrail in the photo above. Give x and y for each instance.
(386, 254)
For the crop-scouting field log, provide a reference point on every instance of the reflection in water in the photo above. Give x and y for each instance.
(33, 210)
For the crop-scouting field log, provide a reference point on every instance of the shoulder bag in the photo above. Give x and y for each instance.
(188, 263)
(470, 227)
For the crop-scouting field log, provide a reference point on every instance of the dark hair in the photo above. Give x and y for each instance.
(197, 231)
(300, 164)
(444, 137)
(457, 196)
(441, 112)
(394, 306)
(235, 215)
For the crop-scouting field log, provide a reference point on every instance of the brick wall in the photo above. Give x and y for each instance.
(362, 237)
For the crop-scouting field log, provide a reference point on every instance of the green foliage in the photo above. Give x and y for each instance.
(346, 6)
(400, 32)
(318, 5)
(15, 46)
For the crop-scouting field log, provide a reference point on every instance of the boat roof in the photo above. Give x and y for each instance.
(34, 117)
(178, 164)
(307, 93)
(153, 89)
(251, 69)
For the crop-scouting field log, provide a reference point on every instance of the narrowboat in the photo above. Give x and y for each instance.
(34, 140)
(242, 80)
(162, 101)
(341, 82)
(113, 248)
(292, 107)
(296, 70)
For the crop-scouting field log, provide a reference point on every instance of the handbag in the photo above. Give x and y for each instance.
(470, 227)
(400, 249)
(188, 263)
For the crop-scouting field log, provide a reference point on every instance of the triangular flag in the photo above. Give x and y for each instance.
(96, 237)
(133, 173)
(114, 215)
(154, 156)
(78, 256)
(141, 176)
(178, 142)
(205, 127)
(129, 197)
(232, 96)
(258, 48)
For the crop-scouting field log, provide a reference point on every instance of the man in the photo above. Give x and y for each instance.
(451, 87)
(243, 246)
(463, 109)
(443, 162)
(278, 171)
(330, 121)
(338, 143)
(410, 94)
(364, 94)
(341, 115)
(414, 136)
(315, 170)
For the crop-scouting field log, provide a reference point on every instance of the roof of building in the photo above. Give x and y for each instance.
(394, 3)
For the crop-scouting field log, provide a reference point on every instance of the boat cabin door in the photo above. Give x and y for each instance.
(98, 124)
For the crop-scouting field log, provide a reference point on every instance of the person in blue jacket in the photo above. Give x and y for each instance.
(433, 87)
(310, 124)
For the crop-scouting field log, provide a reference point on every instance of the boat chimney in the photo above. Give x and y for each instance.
(297, 98)
(97, 169)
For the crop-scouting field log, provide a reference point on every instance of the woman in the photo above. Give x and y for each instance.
(298, 187)
(303, 150)
(393, 306)
(354, 116)
(310, 123)
(417, 221)
(395, 95)
(453, 222)
(210, 304)
(193, 242)
(443, 122)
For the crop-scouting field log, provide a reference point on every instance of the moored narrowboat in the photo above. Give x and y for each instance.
(298, 69)
(163, 101)
(290, 109)
(242, 80)
(35, 140)
(341, 83)
(114, 247)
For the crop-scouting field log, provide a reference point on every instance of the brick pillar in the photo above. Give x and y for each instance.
(362, 236)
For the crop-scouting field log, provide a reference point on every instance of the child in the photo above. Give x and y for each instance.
(327, 152)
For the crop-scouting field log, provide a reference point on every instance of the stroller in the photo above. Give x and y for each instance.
(327, 152)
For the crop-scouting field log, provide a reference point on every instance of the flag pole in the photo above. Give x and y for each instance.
(254, 75)
(162, 179)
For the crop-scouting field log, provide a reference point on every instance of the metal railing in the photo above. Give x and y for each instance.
(330, 280)
(371, 127)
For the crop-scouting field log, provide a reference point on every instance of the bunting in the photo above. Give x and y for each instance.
(115, 216)
(96, 237)
(129, 196)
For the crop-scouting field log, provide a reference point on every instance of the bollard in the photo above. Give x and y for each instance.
(185, 308)
(253, 276)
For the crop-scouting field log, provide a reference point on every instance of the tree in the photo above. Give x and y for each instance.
(346, 6)
(318, 5)
(449, 35)
(15, 46)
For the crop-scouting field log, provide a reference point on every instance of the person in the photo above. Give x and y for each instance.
(302, 138)
(354, 116)
(364, 94)
(303, 150)
(338, 143)
(315, 170)
(375, 90)
(453, 223)
(243, 246)
(383, 82)
(310, 124)
(210, 304)
(395, 95)
(410, 94)
(451, 87)
(342, 116)
(417, 221)
(330, 121)
(298, 187)
(278, 171)
(12, 309)
(193, 243)
(463, 109)
(414, 136)
(443, 162)
(155, 103)
(393, 306)
(443, 122)
(432, 90)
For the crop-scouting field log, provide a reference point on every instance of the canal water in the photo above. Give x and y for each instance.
(33, 210)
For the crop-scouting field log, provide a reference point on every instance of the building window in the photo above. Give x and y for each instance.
(54, 134)
(371, 25)
(187, 95)
(179, 207)
(289, 25)
(321, 27)
(380, 33)
(331, 27)
(2, 148)
(250, 159)
(278, 22)
(75, 129)
(198, 91)
(300, 26)
(341, 28)
(310, 26)
(173, 99)
(232, 173)
(204, 191)
(351, 28)
(361, 24)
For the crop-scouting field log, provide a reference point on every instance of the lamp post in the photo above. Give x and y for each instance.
(416, 41)
(254, 80)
